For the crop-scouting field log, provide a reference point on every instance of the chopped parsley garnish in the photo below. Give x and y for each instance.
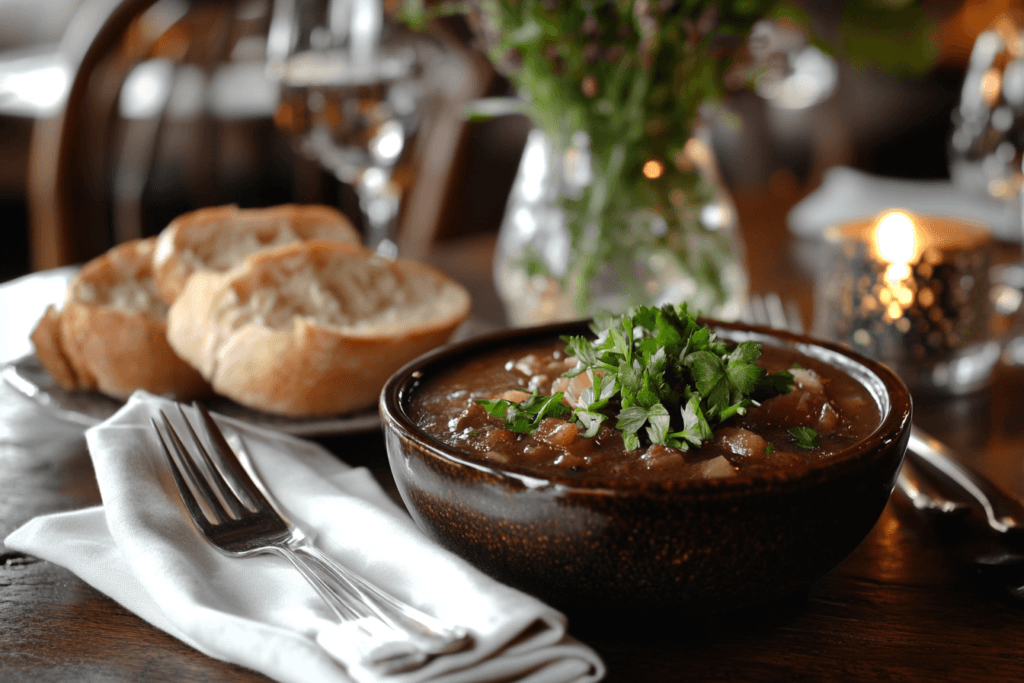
(524, 417)
(804, 437)
(665, 378)
(769, 449)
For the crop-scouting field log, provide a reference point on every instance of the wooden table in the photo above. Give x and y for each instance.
(897, 609)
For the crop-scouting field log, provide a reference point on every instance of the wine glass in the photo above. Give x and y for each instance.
(986, 146)
(355, 86)
(986, 158)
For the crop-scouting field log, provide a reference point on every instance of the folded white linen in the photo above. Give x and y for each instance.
(141, 549)
(846, 194)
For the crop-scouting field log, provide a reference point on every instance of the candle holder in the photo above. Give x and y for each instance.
(912, 292)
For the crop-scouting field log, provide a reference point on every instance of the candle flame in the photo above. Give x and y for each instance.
(896, 242)
(896, 238)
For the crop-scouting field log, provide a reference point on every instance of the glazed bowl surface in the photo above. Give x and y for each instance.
(647, 546)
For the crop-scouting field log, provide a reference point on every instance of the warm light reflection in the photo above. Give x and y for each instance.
(146, 89)
(991, 84)
(895, 272)
(654, 169)
(387, 144)
(695, 153)
(374, 178)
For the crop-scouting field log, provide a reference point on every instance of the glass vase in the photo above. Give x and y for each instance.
(554, 263)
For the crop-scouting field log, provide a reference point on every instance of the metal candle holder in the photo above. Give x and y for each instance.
(912, 292)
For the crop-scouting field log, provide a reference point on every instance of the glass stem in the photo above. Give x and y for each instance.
(379, 203)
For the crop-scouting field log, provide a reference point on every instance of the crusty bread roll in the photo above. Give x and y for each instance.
(219, 237)
(312, 328)
(111, 334)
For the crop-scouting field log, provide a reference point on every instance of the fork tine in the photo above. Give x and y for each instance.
(776, 313)
(227, 494)
(194, 510)
(758, 312)
(195, 477)
(794, 316)
(228, 462)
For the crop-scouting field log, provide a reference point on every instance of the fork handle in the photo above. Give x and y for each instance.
(341, 609)
(379, 644)
(434, 636)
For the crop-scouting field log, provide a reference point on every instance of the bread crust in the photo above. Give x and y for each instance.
(308, 364)
(97, 342)
(46, 338)
(218, 237)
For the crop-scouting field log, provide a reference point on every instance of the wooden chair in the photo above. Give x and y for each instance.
(88, 167)
(67, 223)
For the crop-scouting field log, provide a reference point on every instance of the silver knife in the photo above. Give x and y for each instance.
(978, 523)
(1003, 513)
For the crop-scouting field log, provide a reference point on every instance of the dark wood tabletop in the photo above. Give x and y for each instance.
(899, 608)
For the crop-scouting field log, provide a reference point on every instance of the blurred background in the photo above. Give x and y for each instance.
(118, 115)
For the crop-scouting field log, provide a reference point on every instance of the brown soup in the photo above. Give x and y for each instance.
(837, 406)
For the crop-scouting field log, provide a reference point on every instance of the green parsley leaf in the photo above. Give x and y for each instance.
(744, 376)
(497, 407)
(657, 424)
(631, 442)
(769, 449)
(805, 437)
(648, 396)
(601, 390)
(780, 382)
(631, 378)
(745, 352)
(632, 419)
(696, 429)
(711, 378)
(623, 345)
(590, 421)
(584, 351)
(525, 416)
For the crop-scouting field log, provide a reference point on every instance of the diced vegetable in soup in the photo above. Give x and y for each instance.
(514, 408)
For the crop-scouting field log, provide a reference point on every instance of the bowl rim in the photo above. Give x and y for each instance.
(393, 400)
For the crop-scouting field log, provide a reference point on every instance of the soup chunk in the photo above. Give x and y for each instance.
(838, 409)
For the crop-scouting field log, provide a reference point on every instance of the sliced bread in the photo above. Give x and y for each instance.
(111, 334)
(219, 237)
(312, 328)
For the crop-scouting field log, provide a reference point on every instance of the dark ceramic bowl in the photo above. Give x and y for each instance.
(706, 545)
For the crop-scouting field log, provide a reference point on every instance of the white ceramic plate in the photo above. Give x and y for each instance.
(27, 376)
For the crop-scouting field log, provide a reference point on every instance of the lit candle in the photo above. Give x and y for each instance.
(911, 291)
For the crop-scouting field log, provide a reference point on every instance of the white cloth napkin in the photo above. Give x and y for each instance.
(846, 194)
(141, 549)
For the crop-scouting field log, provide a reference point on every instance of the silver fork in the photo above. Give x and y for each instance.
(769, 310)
(240, 521)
